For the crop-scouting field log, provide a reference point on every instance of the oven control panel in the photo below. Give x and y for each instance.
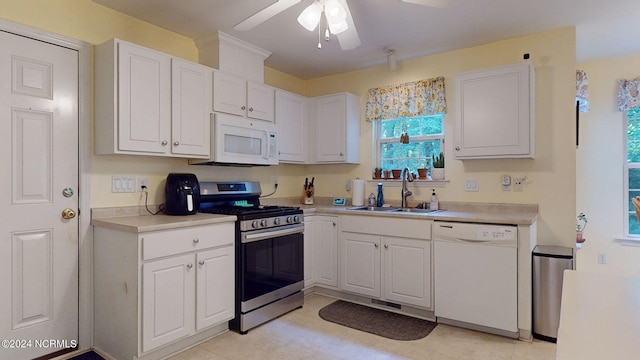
(275, 221)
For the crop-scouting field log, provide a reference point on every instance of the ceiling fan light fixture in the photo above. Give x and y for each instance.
(337, 28)
(310, 17)
(334, 11)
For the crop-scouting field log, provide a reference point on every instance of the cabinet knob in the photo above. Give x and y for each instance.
(334, 223)
(189, 266)
(386, 246)
(375, 245)
(196, 240)
(341, 154)
(164, 142)
(250, 109)
(243, 107)
(176, 143)
(457, 148)
(201, 262)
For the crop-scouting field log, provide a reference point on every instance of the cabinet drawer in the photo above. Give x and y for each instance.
(171, 242)
(409, 228)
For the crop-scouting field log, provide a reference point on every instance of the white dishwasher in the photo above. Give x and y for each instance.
(476, 276)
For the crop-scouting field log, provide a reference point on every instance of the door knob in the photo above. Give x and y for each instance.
(68, 214)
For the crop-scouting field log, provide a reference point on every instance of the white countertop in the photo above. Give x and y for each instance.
(146, 223)
(599, 317)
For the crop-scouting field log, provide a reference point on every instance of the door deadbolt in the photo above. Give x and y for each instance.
(68, 214)
(67, 192)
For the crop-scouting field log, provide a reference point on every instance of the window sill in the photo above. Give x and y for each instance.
(416, 183)
(629, 241)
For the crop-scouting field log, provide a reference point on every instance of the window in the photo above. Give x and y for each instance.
(426, 137)
(632, 170)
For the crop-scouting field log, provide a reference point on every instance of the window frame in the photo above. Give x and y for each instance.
(377, 141)
(626, 167)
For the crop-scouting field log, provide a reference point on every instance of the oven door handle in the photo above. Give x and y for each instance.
(250, 237)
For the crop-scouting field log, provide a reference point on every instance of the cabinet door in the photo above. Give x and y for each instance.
(330, 126)
(321, 250)
(260, 101)
(407, 271)
(144, 107)
(495, 113)
(190, 108)
(360, 271)
(326, 250)
(229, 94)
(215, 287)
(168, 300)
(291, 117)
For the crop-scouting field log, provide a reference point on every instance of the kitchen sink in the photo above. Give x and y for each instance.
(373, 208)
(414, 210)
(392, 209)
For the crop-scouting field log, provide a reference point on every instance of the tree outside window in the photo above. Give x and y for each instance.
(632, 169)
(426, 137)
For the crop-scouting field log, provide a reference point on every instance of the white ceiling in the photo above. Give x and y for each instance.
(605, 28)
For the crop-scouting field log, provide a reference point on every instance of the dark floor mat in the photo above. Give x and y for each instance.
(376, 321)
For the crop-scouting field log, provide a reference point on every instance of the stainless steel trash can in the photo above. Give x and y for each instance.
(549, 263)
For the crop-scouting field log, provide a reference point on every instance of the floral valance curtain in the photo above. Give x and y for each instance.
(582, 88)
(628, 94)
(423, 97)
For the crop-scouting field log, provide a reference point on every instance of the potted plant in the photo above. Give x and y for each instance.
(581, 224)
(396, 173)
(437, 169)
(377, 173)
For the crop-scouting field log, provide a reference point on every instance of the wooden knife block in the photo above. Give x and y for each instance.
(307, 195)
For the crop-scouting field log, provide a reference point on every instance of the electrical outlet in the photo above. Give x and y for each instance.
(142, 181)
(274, 180)
(602, 258)
(348, 185)
(518, 183)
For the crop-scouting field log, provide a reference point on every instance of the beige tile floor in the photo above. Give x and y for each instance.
(302, 334)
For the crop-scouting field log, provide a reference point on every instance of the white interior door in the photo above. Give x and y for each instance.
(39, 159)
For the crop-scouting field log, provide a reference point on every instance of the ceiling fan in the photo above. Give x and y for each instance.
(338, 18)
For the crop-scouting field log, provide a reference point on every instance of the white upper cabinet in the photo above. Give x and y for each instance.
(190, 108)
(494, 113)
(234, 95)
(337, 128)
(148, 103)
(292, 121)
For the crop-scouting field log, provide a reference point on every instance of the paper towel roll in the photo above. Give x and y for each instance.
(357, 192)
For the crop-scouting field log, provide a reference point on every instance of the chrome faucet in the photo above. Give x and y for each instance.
(406, 176)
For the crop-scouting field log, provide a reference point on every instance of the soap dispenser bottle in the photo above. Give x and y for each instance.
(380, 198)
(372, 200)
(433, 205)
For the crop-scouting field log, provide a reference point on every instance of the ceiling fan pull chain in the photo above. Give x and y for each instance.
(319, 42)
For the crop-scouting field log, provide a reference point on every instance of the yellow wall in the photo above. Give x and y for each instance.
(551, 175)
(599, 162)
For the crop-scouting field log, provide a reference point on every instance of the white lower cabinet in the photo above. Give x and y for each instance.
(321, 250)
(168, 300)
(376, 263)
(159, 292)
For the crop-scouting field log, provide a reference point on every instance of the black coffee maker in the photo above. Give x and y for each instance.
(182, 194)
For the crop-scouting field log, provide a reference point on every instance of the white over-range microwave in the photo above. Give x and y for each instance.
(237, 140)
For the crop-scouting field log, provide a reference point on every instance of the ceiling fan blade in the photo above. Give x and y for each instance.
(432, 3)
(349, 38)
(265, 14)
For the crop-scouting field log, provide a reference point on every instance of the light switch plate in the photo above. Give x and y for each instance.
(471, 185)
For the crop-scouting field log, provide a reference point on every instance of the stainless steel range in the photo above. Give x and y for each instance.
(269, 252)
